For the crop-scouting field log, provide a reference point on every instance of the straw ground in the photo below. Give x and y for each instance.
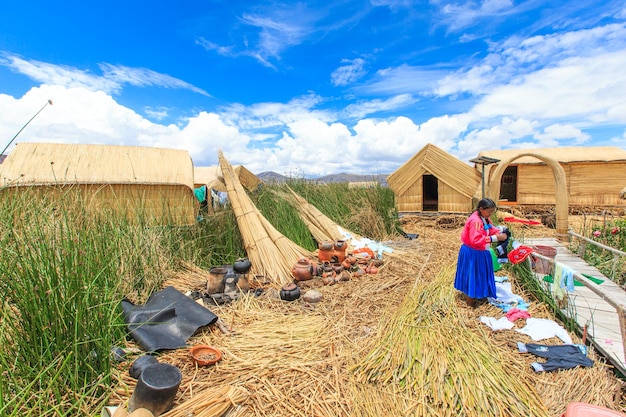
(295, 359)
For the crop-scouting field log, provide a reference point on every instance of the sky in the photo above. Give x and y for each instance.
(318, 87)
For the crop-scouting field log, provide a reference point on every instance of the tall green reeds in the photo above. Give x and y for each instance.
(369, 212)
(64, 270)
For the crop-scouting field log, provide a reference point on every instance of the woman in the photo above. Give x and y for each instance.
(474, 271)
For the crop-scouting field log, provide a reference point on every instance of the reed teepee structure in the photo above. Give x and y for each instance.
(270, 252)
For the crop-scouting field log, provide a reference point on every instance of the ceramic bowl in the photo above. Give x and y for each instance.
(205, 355)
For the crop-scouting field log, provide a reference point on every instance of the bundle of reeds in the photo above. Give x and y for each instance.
(425, 362)
(321, 227)
(210, 403)
(271, 253)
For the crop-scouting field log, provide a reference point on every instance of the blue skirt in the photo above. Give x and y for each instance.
(474, 273)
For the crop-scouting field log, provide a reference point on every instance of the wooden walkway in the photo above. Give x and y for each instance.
(600, 307)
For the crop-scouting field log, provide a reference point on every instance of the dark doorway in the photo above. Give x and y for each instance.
(430, 194)
(508, 185)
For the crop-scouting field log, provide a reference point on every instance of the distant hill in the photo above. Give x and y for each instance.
(270, 176)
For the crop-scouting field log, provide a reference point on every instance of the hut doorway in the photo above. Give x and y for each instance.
(430, 193)
(508, 186)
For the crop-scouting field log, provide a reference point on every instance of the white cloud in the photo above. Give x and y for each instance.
(351, 71)
(404, 79)
(459, 16)
(364, 108)
(111, 81)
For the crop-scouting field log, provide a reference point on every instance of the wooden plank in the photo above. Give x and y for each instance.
(602, 307)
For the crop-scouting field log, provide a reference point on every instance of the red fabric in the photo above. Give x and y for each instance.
(515, 313)
(474, 234)
(519, 254)
(523, 221)
(364, 250)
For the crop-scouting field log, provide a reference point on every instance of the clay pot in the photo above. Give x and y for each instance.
(337, 268)
(361, 269)
(325, 246)
(327, 270)
(363, 261)
(215, 283)
(302, 270)
(325, 255)
(242, 265)
(351, 258)
(242, 283)
(140, 364)
(205, 355)
(231, 280)
(290, 292)
(340, 247)
(371, 269)
(328, 280)
(346, 264)
(343, 276)
(317, 269)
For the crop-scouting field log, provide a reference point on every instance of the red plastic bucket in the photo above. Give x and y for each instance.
(543, 266)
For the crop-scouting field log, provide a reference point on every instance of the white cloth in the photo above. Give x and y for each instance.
(504, 294)
(539, 329)
(497, 324)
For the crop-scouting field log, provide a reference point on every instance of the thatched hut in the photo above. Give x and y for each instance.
(137, 182)
(594, 176)
(212, 178)
(433, 180)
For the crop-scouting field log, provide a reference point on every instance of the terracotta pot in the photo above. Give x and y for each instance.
(290, 292)
(325, 245)
(242, 265)
(205, 355)
(351, 258)
(337, 268)
(371, 269)
(362, 261)
(346, 264)
(325, 255)
(317, 269)
(302, 270)
(340, 247)
(361, 269)
(343, 276)
(327, 270)
(243, 283)
(328, 280)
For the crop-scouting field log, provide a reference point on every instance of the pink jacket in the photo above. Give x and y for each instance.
(474, 234)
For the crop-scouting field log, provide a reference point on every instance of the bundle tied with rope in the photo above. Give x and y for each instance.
(271, 253)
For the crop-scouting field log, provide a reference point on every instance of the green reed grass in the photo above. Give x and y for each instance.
(65, 270)
(369, 212)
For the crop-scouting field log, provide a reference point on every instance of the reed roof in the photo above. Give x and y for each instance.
(563, 155)
(433, 160)
(60, 163)
(211, 176)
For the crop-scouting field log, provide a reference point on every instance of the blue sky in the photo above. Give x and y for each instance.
(317, 87)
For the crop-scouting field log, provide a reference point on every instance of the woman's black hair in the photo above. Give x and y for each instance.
(486, 203)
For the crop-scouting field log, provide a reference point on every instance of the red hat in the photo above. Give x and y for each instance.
(519, 254)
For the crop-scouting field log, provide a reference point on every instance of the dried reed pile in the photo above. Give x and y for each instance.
(271, 253)
(424, 361)
(295, 359)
